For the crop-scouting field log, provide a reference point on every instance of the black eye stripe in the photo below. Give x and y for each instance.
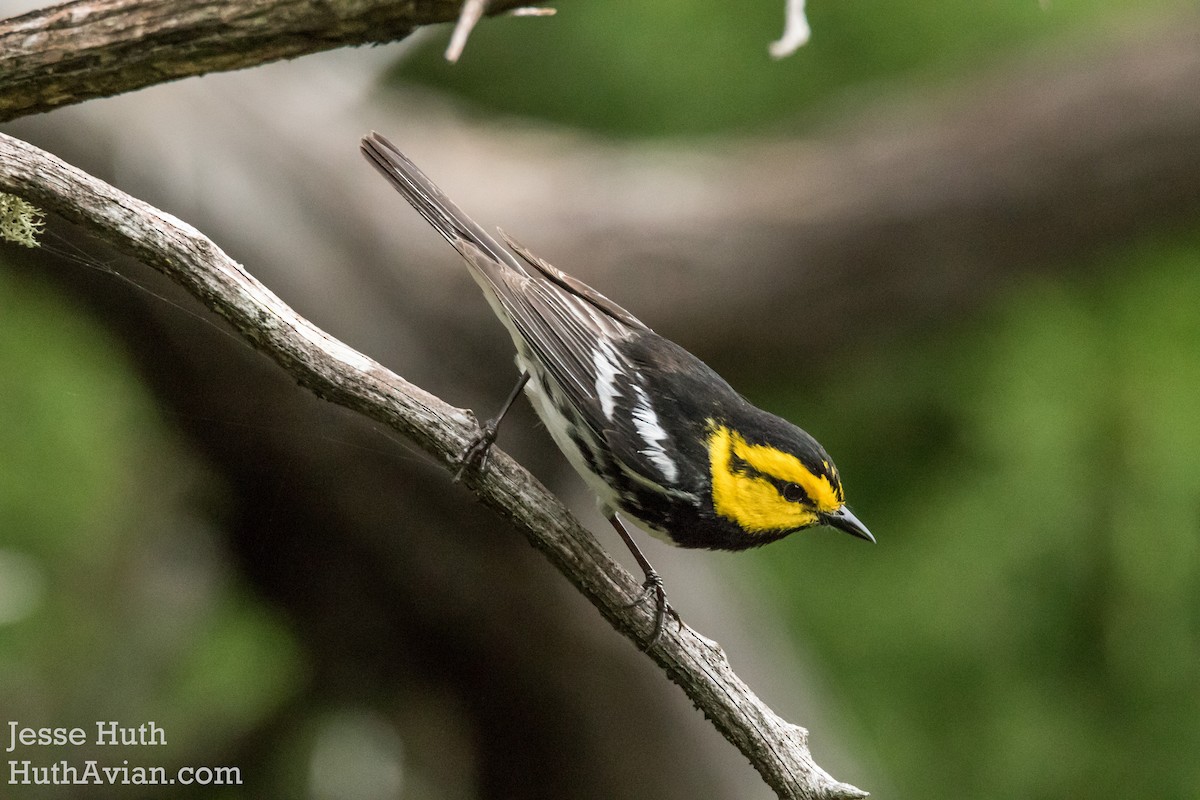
(791, 492)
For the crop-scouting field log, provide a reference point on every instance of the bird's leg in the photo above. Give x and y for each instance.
(653, 585)
(476, 453)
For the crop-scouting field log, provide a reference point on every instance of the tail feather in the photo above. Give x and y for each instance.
(437, 209)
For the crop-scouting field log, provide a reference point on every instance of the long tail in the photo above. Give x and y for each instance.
(438, 210)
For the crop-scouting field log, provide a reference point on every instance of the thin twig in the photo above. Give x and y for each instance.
(340, 374)
(795, 31)
(471, 13)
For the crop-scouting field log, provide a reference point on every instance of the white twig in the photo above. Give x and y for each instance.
(795, 31)
(472, 12)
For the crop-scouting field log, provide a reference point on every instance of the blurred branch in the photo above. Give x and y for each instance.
(95, 48)
(913, 209)
(336, 372)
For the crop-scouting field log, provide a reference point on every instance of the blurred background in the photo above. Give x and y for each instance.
(956, 242)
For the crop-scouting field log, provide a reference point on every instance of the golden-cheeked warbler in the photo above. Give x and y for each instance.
(657, 435)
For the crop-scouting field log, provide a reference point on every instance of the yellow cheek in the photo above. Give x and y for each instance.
(787, 467)
(755, 505)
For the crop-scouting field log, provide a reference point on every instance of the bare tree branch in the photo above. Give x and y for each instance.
(95, 48)
(336, 372)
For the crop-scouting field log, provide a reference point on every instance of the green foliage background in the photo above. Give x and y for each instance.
(700, 67)
(1028, 626)
(1031, 624)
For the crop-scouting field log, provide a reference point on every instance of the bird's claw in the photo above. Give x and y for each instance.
(654, 586)
(476, 453)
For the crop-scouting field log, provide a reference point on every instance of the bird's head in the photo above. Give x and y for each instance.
(775, 480)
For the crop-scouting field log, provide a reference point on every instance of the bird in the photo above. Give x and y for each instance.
(657, 435)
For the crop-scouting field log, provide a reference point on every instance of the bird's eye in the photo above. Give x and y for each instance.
(794, 493)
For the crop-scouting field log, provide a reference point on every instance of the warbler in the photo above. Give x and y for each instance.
(659, 437)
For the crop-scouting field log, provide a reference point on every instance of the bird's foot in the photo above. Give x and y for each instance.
(653, 586)
(475, 455)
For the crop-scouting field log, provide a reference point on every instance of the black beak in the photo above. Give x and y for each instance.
(844, 520)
